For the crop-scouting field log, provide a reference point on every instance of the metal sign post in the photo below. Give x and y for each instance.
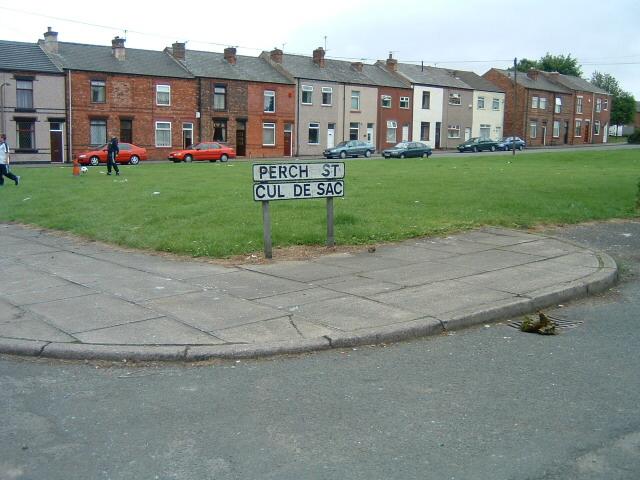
(291, 181)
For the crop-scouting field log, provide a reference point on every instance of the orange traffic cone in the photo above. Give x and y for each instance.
(76, 167)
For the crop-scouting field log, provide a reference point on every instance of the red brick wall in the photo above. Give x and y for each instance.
(403, 116)
(131, 97)
(285, 113)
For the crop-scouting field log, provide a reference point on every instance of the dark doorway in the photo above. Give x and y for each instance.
(287, 140)
(437, 139)
(55, 133)
(587, 131)
(126, 130)
(241, 139)
(566, 132)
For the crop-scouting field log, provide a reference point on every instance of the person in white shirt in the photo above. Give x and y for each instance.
(4, 162)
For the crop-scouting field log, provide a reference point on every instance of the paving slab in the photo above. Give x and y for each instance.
(64, 297)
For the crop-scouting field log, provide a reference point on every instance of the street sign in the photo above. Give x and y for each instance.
(297, 190)
(295, 172)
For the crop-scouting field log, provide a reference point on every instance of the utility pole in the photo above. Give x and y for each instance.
(515, 104)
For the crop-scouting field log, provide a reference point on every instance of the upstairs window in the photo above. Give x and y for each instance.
(386, 101)
(496, 104)
(307, 94)
(598, 105)
(558, 105)
(24, 94)
(404, 102)
(220, 97)
(535, 101)
(269, 101)
(455, 99)
(543, 103)
(355, 100)
(98, 91)
(163, 95)
(579, 105)
(480, 103)
(327, 96)
(426, 100)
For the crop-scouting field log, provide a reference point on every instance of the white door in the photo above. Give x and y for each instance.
(331, 132)
(370, 134)
(544, 135)
(405, 133)
(467, 134)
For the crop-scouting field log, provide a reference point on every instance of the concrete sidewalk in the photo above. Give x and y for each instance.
(75, 299)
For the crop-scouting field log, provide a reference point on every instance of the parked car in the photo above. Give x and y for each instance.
(211, 151)
(129, 153)
(477, 144)
(351, 148)
(507, 143)
(408, 149)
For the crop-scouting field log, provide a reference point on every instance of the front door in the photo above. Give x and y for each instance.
(331, 134)
(467, 134)
(405, 133)
(370, 133)
(587, 131)
(241, 140)
(57, 152)
(287, 140)
(566, 132)
(544, 135)
(437, 140)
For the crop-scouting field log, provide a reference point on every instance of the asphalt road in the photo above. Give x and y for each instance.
(484, 403)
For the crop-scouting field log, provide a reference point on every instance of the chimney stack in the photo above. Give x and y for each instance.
(51, 41)
(230, 55)
(276, 55)
(318, 57)
(178, 50)
(533, 74)
(117, 48)
(357, 66)
(392, 63)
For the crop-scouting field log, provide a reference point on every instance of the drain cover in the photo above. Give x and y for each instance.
(561, 323)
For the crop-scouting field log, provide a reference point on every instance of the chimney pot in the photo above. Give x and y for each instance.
(276, 55)
(533, 74)
(230, 55)
(318, 57)
(358, 66)
(117, 48)
(392, 63)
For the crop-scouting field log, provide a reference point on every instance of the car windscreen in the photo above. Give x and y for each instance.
(341, 144)
(402, 145)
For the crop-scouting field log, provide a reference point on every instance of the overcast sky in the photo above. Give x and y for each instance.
(463, 34)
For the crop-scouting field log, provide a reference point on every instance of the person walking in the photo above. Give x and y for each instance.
(112, 154)
(4, 162)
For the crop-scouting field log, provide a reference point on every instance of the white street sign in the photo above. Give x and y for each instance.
(297, 190)
(296, 172)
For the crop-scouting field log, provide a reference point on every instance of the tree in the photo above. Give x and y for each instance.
(524, 65)
(623, 105)
(561, 64)
(606, 82)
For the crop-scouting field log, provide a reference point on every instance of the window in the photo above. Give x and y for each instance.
(579, 105)
(558, 104)
(596, 127)
(26, 134)
(24, 94)
(126, 130)
(269, 134)
(404, 102)
(386, 101)
(354, 130)
(327, 96)
(453, 131)
(598, 105)
(480, 103)
(187, 134)
(355, 100)
(426, 100)
(496, 104)
(307, 93)
(219, 130)
(578, 130)
(269, 101)
(454, 99)
(220, 97)
(392, 128)
(535, 101)
(556, 129)
(163, 134)
(314, 133)
(163, 95)
(543, 103)
(98, 91)
(605, 104)
(98, 131)
(425, 130)
(533, 129)
(485, 130)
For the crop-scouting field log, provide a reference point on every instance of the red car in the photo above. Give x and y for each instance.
(211, 151)
(129, 153)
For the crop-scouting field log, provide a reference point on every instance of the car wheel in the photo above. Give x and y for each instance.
(188, 158)
(224, 157)
(474, 149)
(425, 154)
(367, 154)
(520, 147)
(402, 155)
(176, 161)
(493, 149)
(134, 160)
(343, 154)
(95, 161)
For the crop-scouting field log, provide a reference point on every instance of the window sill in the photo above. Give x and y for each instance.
(24, 110)
(268, 146)
(25, 150)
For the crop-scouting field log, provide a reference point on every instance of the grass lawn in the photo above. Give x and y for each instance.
(204, 209)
